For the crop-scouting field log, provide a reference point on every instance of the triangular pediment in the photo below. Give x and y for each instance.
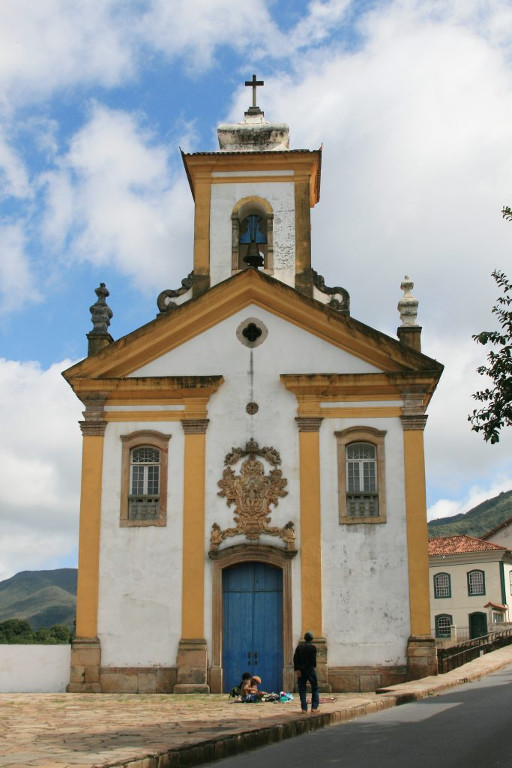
(250, 287)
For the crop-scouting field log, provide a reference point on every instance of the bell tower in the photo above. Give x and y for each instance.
(252, 203)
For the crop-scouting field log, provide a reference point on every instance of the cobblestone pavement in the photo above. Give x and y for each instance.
(171, 731)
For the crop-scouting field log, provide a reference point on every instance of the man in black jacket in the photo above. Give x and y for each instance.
(304, 664)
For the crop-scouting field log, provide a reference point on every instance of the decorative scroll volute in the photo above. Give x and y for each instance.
(253, 493)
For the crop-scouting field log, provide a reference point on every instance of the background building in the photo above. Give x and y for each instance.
(470, 586)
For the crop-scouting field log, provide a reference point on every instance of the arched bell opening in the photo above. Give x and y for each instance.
(253, 234)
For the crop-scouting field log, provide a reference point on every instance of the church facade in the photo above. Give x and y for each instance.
(252, 460)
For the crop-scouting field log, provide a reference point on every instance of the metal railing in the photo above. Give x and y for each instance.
(457, 655)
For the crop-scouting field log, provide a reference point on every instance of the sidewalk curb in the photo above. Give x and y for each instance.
(235, 744)
(228, 745)
(432, 686)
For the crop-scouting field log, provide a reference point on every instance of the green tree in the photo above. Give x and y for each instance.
(16, 631)
(497, 409)
(60, 633)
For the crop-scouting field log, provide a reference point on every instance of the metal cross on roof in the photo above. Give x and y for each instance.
(254, 83)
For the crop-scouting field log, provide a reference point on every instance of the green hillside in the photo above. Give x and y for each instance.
(43, 598)
(478, 521)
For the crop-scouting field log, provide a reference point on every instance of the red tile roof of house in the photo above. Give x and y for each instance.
(454, 545)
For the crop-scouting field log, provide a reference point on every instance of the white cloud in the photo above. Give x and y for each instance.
(318, 23)
(117, 200)
(456, 457)
(474, 496)
(52, 44)
(17, 285)
(13, 175)
(40, 463)
(416, 165)
(195, 29)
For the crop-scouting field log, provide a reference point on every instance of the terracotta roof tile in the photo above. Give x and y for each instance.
(453, 545)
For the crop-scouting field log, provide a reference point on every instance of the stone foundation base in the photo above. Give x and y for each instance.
(322, 671)
(137, 679)
(421, 657)
(365, 679)
(191, 688)
(84, 676)
(216, 680)
(192, 662)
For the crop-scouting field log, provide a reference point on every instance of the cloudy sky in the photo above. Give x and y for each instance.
(412, 101)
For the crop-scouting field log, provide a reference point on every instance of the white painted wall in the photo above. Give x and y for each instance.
(365, 579)
(503, 536)
(365, 584)
(34, 668)
(280, 195)
(139, 614)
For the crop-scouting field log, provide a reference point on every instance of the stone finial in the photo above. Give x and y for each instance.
(409, 332)
(100, 311)
(100, 316)
(408, 305)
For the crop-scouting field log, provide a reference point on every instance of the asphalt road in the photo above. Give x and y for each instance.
(467, 727)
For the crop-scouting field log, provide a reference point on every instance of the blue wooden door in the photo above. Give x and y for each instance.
(252, 603)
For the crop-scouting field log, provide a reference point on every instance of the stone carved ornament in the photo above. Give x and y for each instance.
(253, 492)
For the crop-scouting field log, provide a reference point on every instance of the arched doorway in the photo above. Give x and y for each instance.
(477, 624)
(252, 608)
(235, 555)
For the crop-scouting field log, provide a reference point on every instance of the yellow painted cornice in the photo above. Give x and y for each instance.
(192, 392)
(311, 389)
(251, 286)
(302, 162)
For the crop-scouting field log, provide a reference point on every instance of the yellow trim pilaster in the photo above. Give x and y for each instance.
(416, 517)
(93, 430)
(302, 224)
(193, 529)
(310, 525)
(202, 226)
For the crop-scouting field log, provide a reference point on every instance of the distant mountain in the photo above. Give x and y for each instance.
(478, 521)
(43, 598)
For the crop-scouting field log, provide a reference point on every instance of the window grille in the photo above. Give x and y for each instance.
(443, 625)
(144, 498)
(442, 585)
(361, 466)
(476, 583)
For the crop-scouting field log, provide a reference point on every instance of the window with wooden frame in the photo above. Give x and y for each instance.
(443, 625)
(361, 475)
(476, 582)
(144, 478)
(442, 585)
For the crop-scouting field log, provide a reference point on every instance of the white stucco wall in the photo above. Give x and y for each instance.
(365, 584)
(140, 587)
(503, 536)
(34, 668)
(365, 579)
(281, 197)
